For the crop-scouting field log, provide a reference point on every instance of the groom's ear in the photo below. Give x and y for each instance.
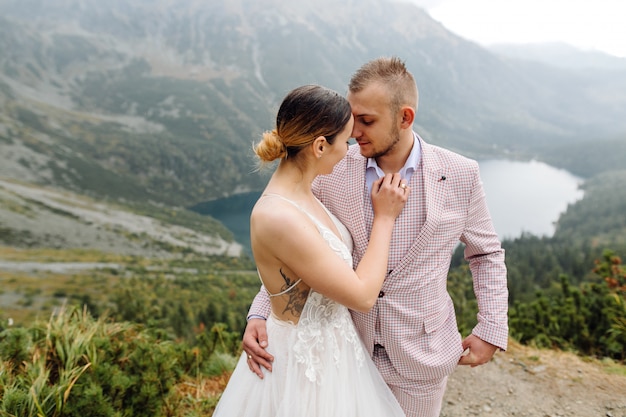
(408, 117)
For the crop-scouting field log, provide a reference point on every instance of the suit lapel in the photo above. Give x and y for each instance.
(356, 197)
(435, 194)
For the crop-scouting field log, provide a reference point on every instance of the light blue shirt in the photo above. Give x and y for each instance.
(373, 171)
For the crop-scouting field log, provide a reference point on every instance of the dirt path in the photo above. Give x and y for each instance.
(530, 382)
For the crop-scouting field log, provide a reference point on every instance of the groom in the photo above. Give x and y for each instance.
(411, 333)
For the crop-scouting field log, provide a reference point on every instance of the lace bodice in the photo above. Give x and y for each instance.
(324, 322)
(325, 326)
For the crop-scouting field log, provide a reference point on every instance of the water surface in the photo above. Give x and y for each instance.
(527, 196)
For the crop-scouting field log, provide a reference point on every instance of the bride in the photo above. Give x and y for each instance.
(303, 256)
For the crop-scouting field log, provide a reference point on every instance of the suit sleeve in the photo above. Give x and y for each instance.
(260, 305)
(486, 260)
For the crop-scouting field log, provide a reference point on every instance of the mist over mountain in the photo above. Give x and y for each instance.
(561, 55)
(161, 100)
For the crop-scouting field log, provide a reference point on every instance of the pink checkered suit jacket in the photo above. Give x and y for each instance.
(414, 317)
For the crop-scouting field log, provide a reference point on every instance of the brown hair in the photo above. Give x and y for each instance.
(305, 114)
(391, 72)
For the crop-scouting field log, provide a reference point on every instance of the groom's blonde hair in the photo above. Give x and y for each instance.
(393, 74)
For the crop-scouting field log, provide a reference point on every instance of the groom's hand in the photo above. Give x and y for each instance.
(479, 352)
(254, 344)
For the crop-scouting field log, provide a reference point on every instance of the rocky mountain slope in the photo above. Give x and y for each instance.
(530, 382)
(33, 216)
(156, 103)
(161, 100)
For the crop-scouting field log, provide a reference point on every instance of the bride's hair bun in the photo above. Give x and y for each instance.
(270, 147)
(306, 113)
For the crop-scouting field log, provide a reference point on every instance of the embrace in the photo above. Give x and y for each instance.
(353, 245)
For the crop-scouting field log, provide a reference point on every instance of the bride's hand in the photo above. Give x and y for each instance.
(389, 195)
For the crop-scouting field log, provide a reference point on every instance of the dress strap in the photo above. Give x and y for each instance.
(291, 287)
(280, 293)
(311, 217)
(317, 223)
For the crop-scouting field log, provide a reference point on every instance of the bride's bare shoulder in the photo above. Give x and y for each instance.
(271, 212)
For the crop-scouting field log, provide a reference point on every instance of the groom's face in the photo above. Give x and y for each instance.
(375, 130)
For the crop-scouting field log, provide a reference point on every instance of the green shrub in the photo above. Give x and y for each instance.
(76, 366)
(14, 346)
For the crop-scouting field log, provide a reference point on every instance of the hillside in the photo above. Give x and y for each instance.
(34, 216)
(560, 55)
(161, 100)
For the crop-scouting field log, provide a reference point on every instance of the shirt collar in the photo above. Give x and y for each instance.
(409, 166)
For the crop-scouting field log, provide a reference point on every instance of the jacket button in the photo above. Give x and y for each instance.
(381, 294)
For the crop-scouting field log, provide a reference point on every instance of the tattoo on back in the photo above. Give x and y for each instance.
(296, 296)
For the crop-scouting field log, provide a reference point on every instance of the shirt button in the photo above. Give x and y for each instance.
(381, 294)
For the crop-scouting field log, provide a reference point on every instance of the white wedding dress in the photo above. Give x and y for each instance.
(320, 369)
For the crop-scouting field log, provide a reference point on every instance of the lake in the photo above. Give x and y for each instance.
(527, 196)
(522, 197)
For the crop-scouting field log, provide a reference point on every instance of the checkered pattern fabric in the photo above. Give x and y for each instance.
(414, 318)
(417, 398)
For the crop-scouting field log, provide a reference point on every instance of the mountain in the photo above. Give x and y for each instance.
(157, 102)
(561, 55)
(34, 216)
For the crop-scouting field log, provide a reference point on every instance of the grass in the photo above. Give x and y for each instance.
(61, 255)
(29, 296)
(612, 367)
(77, 364)
(192, 288)
(199, 396)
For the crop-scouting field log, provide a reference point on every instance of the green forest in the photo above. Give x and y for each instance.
(157, 338)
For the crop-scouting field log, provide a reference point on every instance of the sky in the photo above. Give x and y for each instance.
(586, 24)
